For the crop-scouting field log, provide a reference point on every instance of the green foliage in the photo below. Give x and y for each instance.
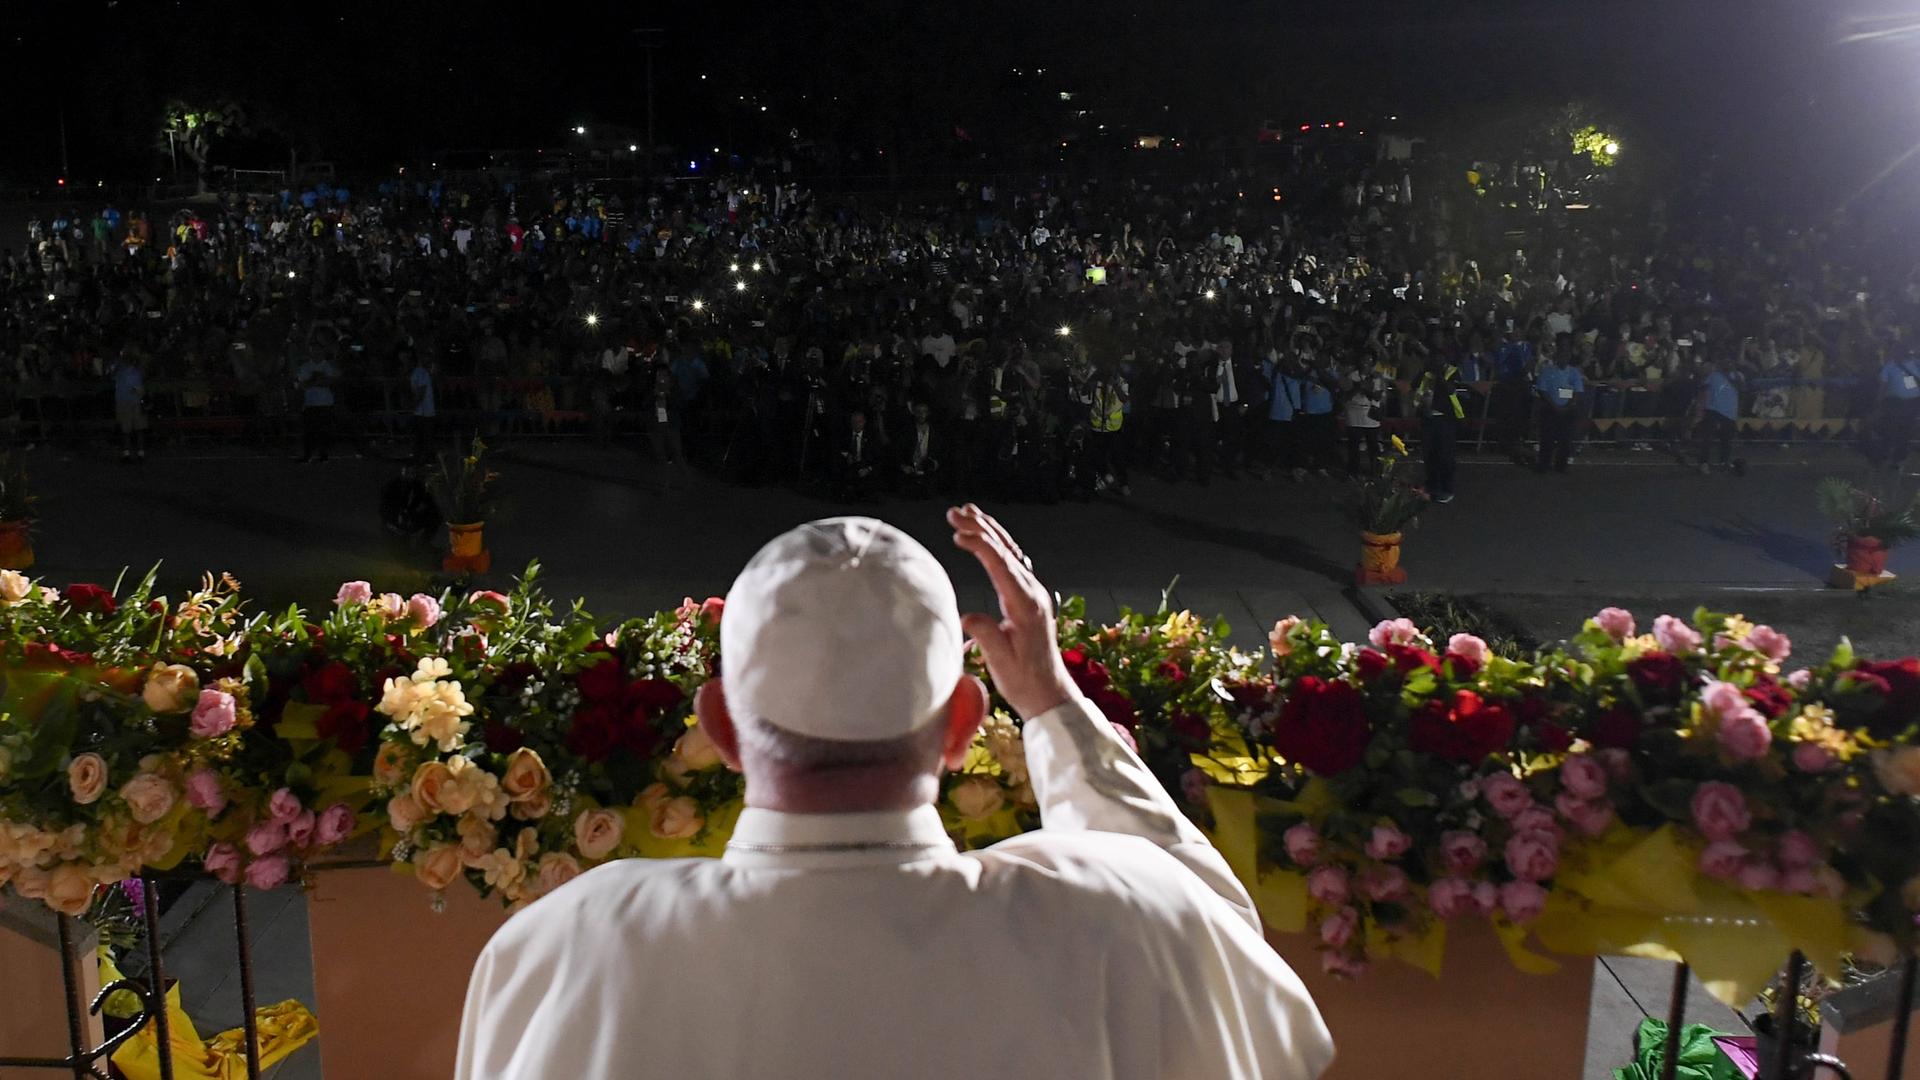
(1442, 615)
(1387, 503)
(464, 489)
(1858, 511)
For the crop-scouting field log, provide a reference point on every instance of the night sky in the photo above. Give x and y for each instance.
(1766, 83)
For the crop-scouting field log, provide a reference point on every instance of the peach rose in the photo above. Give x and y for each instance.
(390, 764)
(1280, 638)
(597, 832)
(470, 787)
(405, 813)
(171, 688)
(696, 750)
(1898, 769)
(677, 818)
(526, 775)
(533, 807)
(477, 839)
(556, 869)
(87, 778)
(69, 889)
(149, 797)
(430, 782)
(437, 866)
(14, 587)
(976, 797)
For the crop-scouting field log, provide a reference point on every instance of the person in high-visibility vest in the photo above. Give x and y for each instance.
(1107, 415)
(1442, 401)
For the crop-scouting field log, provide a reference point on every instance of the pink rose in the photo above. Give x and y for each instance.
(1337, 929)
(1801, 679)
(1462, 852)
(1384, 884)
(405, 813)
(1796, 850)
(597, 832)
(223, 862)
(489, 598)
(1617, 761)
(1770, 643)
(300, 829)
(1303, 844)
(336, 824)
(268, 873)
(1722, 699)
(1537, 819)
(1451, 898)
(353, 592)
(1523, 901)
(1387, 842)
(266, 838)
(1583, 777)
(1394, 632)
(213, 716)
(1340, 965)
(1280, 638)
(1533, 855)
(556, 869)
(1590, 817)
(204, 793)
(1469, 648)
(1328, 885)
(1745, 735)
(1799, 880)
(1720, 810)
(391, 605)
(1486, 897)
(284, 806)
(1616, 623)
(1506, 794)
(1812, 757)
(1675, 636)
(1759, 875)
(1722, 859)
(1125, 735)
(424, 610)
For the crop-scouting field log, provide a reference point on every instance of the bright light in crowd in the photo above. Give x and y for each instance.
(1612, 148)
(49, 298)
(1209, 294)
(580, 130)
(739, 286)
(733, 268)
(633, 148)
(289, 273)
(699, 305)
(1065, 331)
(756, 266)
(593, 318)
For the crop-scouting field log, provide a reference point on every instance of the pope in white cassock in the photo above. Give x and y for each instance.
(842, 936)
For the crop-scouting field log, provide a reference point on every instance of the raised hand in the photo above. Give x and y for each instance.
(1020, 645)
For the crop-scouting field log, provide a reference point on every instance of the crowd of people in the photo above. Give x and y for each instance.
(1040, 340)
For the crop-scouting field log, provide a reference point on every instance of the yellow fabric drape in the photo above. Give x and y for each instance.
(284, 1028)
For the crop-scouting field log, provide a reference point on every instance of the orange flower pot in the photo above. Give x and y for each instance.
(467, 549)
(1866, 555)
(16, 547)
(1379, 560)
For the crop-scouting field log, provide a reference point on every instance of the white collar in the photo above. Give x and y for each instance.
(774, 839)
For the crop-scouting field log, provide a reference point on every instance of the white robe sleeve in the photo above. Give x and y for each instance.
(1086, 779)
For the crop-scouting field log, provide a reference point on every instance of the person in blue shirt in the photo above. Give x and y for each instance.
(1558, 388)
(1899, 405)
(1283, 403)
(1315, 420)
(1719, 411)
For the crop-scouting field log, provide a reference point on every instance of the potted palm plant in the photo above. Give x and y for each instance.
(463, 488)
(16, 515)
(1387, 506)
(1866, 525)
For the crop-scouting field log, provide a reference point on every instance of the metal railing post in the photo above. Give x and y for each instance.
(1676, 1015)
(156, 975)
(249, 1021)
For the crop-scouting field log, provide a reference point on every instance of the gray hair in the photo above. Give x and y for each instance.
(766, 741)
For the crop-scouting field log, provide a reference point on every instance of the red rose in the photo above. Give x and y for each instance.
(1658, 675)
(1551, 736)
(712, 609)
(595, 731)
(85, 597)
(652, 696)
(1617, 728)
(638, 735)
(1323, 726)
(1466, 729)
(1461, 667)
(1408, 659)
(345, 723)
(1191, 728)
(1532, 709)
(603, 681)
(1768, 696)
(514, 676)
(1171, 671)
(1091, 676)
(155, 606)
(332, 683)
(1902, 705)
(37, 654)
(503, 739)
(1115, 706)
(1370, 664)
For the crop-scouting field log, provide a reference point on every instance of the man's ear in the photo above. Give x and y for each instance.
(966, 711)
(710, 706)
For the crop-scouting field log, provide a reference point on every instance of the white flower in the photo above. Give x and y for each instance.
(1007, 747)
(428, 709)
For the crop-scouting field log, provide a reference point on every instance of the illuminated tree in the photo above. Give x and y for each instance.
(193, 131)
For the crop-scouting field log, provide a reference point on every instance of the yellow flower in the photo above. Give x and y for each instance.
(1180, 625)
(1737, 628)
(1399, 447)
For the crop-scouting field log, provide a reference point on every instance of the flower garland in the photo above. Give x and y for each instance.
(1612, 791)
